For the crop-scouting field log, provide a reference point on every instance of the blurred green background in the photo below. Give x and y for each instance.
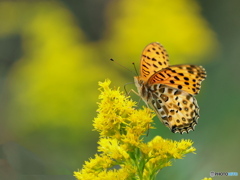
(53, 53)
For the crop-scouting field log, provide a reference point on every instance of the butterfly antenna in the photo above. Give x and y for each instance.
(128, 70)
(135, 68)
(122, 66)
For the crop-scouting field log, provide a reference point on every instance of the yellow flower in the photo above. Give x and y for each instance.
(123, 154)
(207, 178)
(113, 148)
(113, 111)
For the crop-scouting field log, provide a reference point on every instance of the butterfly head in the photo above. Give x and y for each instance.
(140, 83)
(138, 80)
(142, 88)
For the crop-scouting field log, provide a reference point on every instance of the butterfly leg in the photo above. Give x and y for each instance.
(125, 89)
(132, 90)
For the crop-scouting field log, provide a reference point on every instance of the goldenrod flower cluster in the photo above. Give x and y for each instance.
(122, 153)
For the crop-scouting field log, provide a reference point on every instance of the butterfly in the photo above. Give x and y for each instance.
(170, 90)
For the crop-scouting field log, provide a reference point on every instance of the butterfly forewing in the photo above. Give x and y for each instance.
(185, 77)
(168, 89)
(154, 58)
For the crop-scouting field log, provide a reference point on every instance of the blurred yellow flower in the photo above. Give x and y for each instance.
(207, 178)
(176, 24)
(123, 154)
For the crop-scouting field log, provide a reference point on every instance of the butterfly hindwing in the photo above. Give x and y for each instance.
(177, 109)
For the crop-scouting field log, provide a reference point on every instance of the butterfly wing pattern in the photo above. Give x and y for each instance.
(170, 90)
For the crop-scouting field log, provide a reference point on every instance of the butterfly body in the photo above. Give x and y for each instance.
(170, 90)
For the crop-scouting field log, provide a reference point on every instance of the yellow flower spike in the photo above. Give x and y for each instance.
(122, 130)
(112, 111)
(160, 151)
(141, 121)
(131, 140)
(207, 178)
(98, 162)
(145, 149)
(112, 148)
